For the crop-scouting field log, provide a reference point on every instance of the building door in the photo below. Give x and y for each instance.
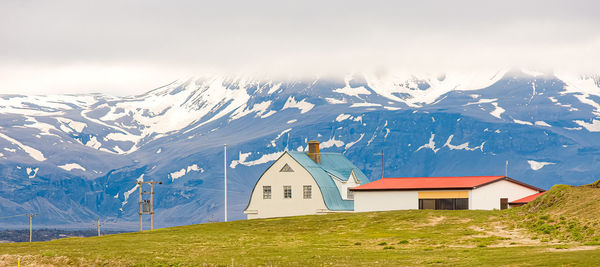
(503, 203)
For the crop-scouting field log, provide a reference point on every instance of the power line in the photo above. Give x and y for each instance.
(18, 215)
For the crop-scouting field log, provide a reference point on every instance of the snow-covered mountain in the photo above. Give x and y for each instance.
(73, 158)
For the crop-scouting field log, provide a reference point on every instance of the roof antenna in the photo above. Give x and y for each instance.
(381, 154)
(506, 170)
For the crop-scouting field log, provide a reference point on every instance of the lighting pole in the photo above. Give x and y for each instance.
(225, 176)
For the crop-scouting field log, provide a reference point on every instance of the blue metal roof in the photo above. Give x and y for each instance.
(337, 165)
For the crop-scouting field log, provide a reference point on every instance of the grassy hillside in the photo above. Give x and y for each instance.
(512, 237)
(565, 213)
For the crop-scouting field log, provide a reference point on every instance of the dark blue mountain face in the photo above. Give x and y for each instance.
(73, 159)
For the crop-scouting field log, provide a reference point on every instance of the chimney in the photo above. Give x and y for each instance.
(313, 151)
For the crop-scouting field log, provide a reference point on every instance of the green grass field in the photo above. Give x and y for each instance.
(515, 237)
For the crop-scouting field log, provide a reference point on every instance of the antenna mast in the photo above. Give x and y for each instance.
(377, 154)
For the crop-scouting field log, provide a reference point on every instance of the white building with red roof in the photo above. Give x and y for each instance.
(442, 193)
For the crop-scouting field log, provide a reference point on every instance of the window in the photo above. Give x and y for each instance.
(462, 204)
(426, 204)
(287, 191)
(349, 194)
(286, 168)
(444, 204)
(267, 192)
(307, 192)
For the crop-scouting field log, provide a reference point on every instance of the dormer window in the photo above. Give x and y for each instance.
(286, 168)
(349, 194)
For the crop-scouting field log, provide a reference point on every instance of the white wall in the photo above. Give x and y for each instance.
(488, 196)
(277, 206)
(344, 185)
(385, 200)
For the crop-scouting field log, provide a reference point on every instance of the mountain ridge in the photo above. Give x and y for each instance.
(91, 148)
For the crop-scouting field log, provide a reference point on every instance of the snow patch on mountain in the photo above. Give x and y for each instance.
(497, 112)
(34, 153)
(180, 173)
(537, 165)
(429, 145)
(130, 191)
(303, 105)
(542, 123)
(262, 160)
(261, 110)
(274, 88)
(352, 91)
(273, 144)
(463, 146)
(342, 117)
(75, 125)
(349, 145)
(44, 128)
(364, 104)
(32, 172)
(335, 101)
(582, 87)
(71, 166)
(331, 142)
(393, 85)
(591, 127)
(93, 143)
(522, 122)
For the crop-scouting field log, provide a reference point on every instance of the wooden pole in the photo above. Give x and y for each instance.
(151, 206)
(225, 168)
(140, 203)
(30, 226)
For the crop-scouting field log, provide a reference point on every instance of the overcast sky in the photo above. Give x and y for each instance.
(127, 47)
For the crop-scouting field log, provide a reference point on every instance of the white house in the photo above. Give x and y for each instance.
(448, 193)
(301, 183)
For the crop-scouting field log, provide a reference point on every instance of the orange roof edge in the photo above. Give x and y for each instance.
(527, 199)
(424, 183)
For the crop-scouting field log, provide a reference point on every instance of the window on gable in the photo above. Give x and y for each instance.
(287, 191)
(286, 168)
(267, 192)
(350, 194)
(307, 192)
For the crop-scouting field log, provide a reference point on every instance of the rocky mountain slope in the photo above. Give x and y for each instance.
(73, 158)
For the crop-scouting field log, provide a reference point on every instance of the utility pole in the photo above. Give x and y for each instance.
(147, 206)
(225, 168)
(30, 215)
(381, 162)
(98, 225)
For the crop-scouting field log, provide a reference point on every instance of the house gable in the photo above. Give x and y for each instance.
(277, 178)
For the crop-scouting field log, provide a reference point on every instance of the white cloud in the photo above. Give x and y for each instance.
(126, 47)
